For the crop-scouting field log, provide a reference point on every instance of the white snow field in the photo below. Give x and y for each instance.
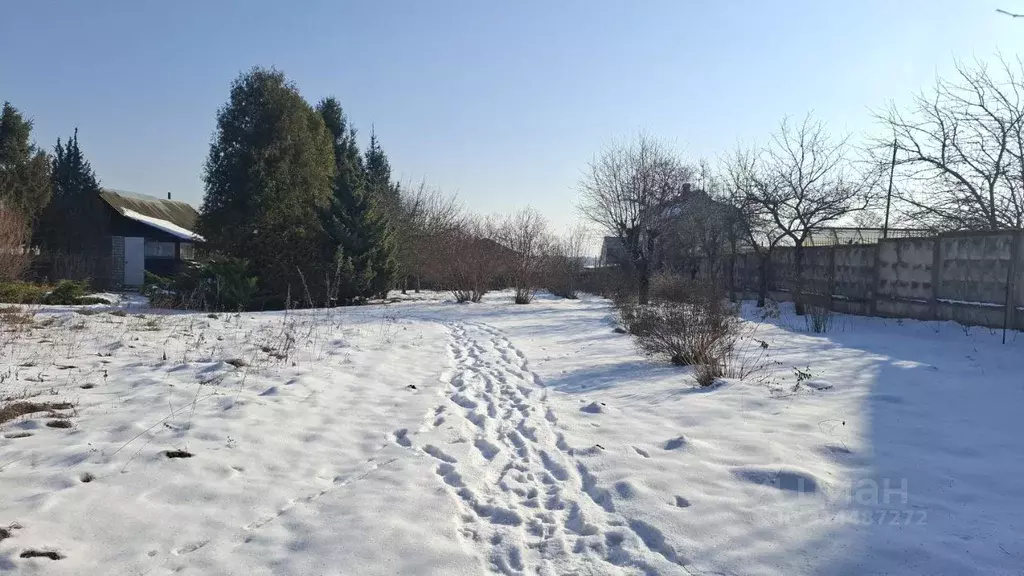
(426, 437)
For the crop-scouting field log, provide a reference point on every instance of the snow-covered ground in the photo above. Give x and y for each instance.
(425, 437)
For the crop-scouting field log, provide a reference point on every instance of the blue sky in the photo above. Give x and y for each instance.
(501, 102)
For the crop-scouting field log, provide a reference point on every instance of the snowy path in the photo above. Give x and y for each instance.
(527, 502)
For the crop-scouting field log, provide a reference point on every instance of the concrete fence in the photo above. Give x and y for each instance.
(975, 278)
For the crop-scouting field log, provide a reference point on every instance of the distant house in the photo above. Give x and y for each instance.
(147, 234)
(695, 230)
(613, 252)
(113, 238)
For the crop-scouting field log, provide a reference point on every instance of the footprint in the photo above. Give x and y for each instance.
(675, 443)
(786, 480)
(599, 495)
(575, 522)
(51, 554)
(189, 548)
(550, 415)
(561, 444)
(463, 401)
(682, 502)
(498, 515)
(450, 476)
(625, 490)
(556, 469)
(528, 431)
(402, 437)
(641, 452)
(655, 540)
(487, 449)
(439, 454)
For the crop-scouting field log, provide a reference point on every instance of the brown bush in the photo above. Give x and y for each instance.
(685, 333)
(466, 261)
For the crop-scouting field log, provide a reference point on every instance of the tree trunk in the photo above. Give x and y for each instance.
(762, 293)
(417, 288)
(730, 274)
(643, 282)
(798, 282)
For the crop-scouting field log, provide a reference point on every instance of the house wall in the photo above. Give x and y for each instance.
(125, 227)
(964, 277)
(117, 262)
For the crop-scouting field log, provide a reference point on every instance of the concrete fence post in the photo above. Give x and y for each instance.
(933, 301)
(831, 284)
(875, 276)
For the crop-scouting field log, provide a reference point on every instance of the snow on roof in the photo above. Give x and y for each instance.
(163, 225)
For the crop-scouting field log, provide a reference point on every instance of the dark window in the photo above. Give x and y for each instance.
(159, 249)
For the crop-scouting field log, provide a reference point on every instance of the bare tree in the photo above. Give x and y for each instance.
(960, 149)
(629, 190)
(1008, 13)
(565, 261)
(425, 213)
(744, 180)
(804, 180)
(525, 234)
(465, 259)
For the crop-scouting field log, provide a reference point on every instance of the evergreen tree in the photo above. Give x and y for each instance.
(359, 239)
(385, 195)
(24, 169)
(267, 178)
(72, 222)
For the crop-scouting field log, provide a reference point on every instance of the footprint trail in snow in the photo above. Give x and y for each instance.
(527, 504)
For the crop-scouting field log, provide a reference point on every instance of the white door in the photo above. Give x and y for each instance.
(134, 261)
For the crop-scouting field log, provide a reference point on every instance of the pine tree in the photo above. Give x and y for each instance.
(384, 195)
(359, 239)
(24, 169)
(72, 222)
(268, 176)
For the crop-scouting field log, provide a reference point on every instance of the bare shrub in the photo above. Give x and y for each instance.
(819, 319)
(707, 373)
(525, 235)
(770, 310)
(15, 256)
(668, 287)
(697, 332)
(466, 260)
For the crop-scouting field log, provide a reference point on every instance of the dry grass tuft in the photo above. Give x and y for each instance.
(13, 410)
